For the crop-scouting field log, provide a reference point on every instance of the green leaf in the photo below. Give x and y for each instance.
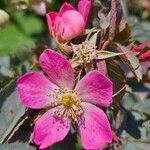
(54, 147)
(117, 77)
(103, 20)
(12, 38)
(131, 61)
(28, 23)
(107, 54)
(6, 73)
(78, 143)
(19, 33)
(135, 145)
(69, 143)
(93, 39)
(143, 106)
(123, 35)
(134, 131)
(16, 146)
(11, 110)
(129, 100)
(5, 70)
(89, 32)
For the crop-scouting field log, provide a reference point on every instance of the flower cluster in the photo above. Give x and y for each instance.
(66, 97)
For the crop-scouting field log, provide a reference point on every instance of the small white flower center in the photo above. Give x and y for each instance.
(85, 52)
(68, 105)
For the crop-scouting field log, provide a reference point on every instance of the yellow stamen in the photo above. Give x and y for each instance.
(68, 105)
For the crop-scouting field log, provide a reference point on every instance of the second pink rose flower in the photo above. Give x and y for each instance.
(68, 22)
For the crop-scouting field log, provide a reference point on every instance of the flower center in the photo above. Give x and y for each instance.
(68, 105)
(85, 52)
(68, 101)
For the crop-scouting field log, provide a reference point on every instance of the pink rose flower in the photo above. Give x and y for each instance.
(68, 22)
(66, 102)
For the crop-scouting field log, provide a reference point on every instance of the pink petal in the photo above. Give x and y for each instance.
(65, 7)
(59, 28)
(33, 89)
(84, 7)
(57, 68)
(94, 127)
(51, 17)
(49, 129)
(141, 46)
(144, 55)
(95, 88)
(71, 27)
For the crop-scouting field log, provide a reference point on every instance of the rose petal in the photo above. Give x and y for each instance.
(51, 17)
(71, 28)
(59, 28)
(84, 7)
(57, 68)
(33, 89)
(95, 88)
(49, 129)
(140, 47)
(144, 55)
(65, 7)
(94, 127)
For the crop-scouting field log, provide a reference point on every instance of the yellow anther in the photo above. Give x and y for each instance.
(67, 102)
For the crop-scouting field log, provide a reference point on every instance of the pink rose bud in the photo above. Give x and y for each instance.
(68, 22)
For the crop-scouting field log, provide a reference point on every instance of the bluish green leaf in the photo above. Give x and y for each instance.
(131, 61)
(11, 110)
(143, 106)
(16, 146)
